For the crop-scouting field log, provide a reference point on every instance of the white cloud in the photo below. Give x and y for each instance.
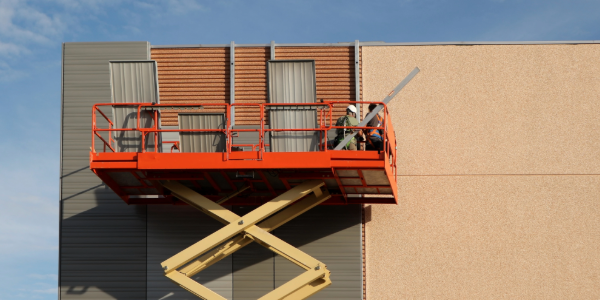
(172, 7)
(47, 291)
(183, 6)
(11, 49)
(6, 72)
(24, 25)
(53, 277)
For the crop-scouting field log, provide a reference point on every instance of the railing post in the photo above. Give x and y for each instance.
(93, 128)
(261, 134)
(156, 131)
(228, 138)
(110, 139)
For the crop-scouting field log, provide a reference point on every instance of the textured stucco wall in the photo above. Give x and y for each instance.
(499, 173)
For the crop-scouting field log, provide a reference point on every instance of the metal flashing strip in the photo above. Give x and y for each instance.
(60, 171)
(350, 44)
(272, 50)
(232, 80)
(357, 77)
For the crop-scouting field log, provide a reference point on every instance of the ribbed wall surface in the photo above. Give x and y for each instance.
(132, 82)
(192, 75)
(250, 82)
(335, 71)
(102, 239)
(292, 82)
(202, 141)
(172, 228)
(201, 75)
(330, 234)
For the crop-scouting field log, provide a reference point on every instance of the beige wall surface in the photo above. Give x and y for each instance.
(502, 109)
(499, 173)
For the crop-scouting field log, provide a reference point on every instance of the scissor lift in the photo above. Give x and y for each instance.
(282, 185)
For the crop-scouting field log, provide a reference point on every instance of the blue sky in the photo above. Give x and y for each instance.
(31, 33)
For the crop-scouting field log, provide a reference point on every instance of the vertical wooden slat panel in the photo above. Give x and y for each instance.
(201, 75)
(250, 82)
(191, 75)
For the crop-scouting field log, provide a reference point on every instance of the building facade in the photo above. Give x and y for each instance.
(498, 174)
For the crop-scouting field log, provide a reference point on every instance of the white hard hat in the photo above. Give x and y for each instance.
(351, 108)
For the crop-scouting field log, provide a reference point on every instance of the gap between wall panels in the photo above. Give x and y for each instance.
(364, 252)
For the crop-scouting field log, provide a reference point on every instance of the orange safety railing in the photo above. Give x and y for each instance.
(324, 113)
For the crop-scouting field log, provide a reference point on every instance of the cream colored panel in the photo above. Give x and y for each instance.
(486, 237)
(491, 109)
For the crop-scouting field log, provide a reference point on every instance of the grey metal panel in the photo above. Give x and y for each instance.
(294, 141)
(133, 82)
(292, 81)
(331, 234)
(272, 50)
(202, 141)
(102, 249)
(172, 229)
(171, 136)
(357, 78)
(248, 137)
(253, 274)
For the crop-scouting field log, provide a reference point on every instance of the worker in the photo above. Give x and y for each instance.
(374, 136)
(348, 120)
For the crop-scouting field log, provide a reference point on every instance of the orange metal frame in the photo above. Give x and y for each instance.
(157, 165)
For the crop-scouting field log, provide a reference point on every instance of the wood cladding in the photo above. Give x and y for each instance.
(201, 75)
(250, 83)
(191, 75)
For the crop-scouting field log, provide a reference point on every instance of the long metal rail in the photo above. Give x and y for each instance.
(241, 231)
(379, 107)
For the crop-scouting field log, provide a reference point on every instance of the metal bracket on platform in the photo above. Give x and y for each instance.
(241, 231)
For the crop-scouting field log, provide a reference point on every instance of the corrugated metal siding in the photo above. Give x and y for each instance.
(294, 141)
(172, 229)
(132, 82)
(102, 240)
(253, 275)
(331, 234)
(192, 75)
(202, 141)
(250, 82)
(292, 82)
(249, 137)
(334, 69)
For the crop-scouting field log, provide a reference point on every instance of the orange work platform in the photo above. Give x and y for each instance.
(241, 177)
